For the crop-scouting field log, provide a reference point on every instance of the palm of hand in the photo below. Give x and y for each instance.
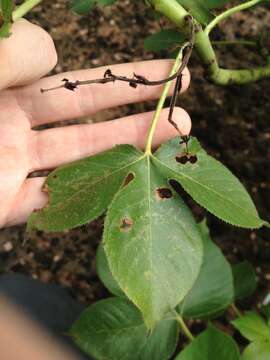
(15, 154)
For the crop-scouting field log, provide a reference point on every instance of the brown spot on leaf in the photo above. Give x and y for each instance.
(126, 224)
(193, 159)
(128, 179)
(164, 193)
(182, 159)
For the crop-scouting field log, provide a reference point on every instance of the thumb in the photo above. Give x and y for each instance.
(25, 56)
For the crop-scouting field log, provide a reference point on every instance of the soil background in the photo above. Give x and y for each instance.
(232, 123)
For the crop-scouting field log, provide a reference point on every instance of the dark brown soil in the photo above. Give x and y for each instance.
(232, 123)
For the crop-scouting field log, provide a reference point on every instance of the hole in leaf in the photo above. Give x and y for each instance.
(182, 159)
(128, 179)
(126, 224)
(176, 186)
(164, 193)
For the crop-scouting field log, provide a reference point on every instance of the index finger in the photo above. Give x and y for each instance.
(63, 104)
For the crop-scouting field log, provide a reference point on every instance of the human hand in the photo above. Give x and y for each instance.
(25, 57)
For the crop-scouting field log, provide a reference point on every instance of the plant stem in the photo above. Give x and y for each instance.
(242, 76)
(184, 327)
(177, 64)
(228, 13)
(236, 310)
(172, 10)
(178, 15)
(24, 8)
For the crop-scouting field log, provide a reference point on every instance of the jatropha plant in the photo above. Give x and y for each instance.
(161, 267)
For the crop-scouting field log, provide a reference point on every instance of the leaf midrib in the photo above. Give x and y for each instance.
(150, 219)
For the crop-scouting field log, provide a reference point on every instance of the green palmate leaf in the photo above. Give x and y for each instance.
(244, 277)
(162, 40)
(259, 350)
(81, 191)
(197, 9)
(85, 6)
(209, 183)
(152, 243)
(105, 274)
(212, 344)
(253, 327)
(213, 290)
(114, 329)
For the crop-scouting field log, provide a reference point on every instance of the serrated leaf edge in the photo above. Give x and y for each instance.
(211, 190)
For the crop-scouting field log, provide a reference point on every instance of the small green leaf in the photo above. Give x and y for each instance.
(244, 280)
(252, 326)
(209, 183)
(114, 329)
(213, 290)
(81, 191)
(82, 7)
(163, 40)
(212, 344)
(105, 274)
(197, 9)
(152, 243)
(259, 350)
